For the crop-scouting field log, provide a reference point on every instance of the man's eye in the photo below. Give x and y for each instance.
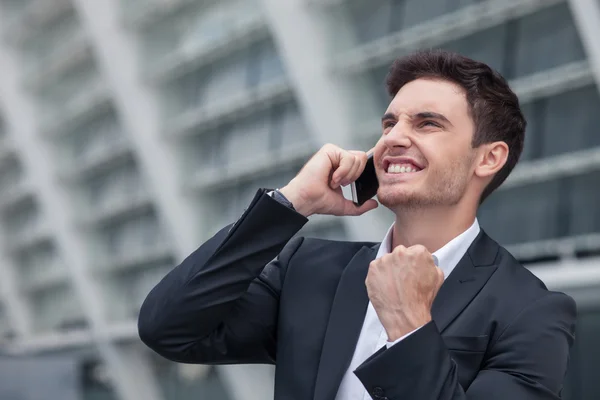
(388, 124)
(429, 123)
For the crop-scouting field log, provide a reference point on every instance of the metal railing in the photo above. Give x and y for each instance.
(240, 105)
(217, 179)
(33, 18)
(94, 100)
(437, 31)
(187, 58)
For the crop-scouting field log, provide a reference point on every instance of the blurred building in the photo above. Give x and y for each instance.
(131, 130)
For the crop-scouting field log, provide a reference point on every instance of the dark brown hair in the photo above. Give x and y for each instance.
(493, 106)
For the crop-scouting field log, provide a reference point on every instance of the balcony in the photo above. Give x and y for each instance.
(74, 52)
(52, 341)
(324, 3)
(53, 276)
(118, 207)
(564, 165)
(193, 55)
(243, 104)
(141, 13)
(36, 15)
(7, 149)
(26, 237)
(568, 248)
(554, 81)
(135, 258)
(92, 101)
(107, 157)
(234, 175)
(452, 26)
(14, 195)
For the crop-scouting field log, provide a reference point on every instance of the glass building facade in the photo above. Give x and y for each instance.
(131, 130)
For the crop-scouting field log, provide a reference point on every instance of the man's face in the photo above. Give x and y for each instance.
(424, 157)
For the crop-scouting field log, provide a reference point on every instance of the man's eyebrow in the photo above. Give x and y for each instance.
(419, 115)
(430, 115)
(388, 117)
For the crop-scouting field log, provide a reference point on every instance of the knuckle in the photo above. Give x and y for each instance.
(399, 249)
(419, 249)
(329, 147)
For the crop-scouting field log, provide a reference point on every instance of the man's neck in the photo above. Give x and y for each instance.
(432, 228)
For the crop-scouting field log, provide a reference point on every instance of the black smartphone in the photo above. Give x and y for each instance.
(365, 187)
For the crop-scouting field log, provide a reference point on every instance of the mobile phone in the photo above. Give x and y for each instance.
(365, 187)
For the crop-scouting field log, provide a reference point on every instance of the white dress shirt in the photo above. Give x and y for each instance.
(372, 335)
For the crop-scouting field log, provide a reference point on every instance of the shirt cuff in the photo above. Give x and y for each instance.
(280, 198)
(390, 344)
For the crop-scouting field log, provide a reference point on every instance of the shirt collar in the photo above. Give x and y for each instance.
(449, 255)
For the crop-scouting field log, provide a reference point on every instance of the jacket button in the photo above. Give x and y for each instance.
(378, 392)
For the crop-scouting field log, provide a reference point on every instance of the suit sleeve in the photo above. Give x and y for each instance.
(527, 361)
(219, 306)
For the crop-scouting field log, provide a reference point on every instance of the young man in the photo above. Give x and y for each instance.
(347, 320)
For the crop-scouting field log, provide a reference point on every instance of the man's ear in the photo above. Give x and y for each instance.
(491, 157)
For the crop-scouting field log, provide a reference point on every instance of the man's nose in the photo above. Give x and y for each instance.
(398, 136)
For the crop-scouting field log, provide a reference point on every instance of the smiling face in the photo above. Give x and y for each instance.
(425, 157)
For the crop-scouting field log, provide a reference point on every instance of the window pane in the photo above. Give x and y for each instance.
(289, 127)
(247, 140)
(522, 214)
(419, 11)
(545, 40)
(371, 18)
(204, 152)
(588, 335)
(265, 64)
(226, 78)
(571, 121)
(456, 4)
(379, 76)
(486, 46)
(533, 132)
(584, 204)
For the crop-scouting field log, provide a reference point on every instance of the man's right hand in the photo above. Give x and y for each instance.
(317, 189)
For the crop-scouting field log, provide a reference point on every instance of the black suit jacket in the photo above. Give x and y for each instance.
(252, 294)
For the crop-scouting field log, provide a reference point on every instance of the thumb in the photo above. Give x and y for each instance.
(352, 209)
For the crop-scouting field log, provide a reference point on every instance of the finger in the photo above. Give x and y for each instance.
(418, 249)
(358, 167)
(347, 161)
(440, 275)
(352, 209)
(354, 173)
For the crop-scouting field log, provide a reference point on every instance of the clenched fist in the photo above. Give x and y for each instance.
(402, 286)
(317, 189)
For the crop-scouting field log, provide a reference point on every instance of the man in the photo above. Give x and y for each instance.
(346, 320)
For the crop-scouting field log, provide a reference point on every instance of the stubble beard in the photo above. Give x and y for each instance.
(444, 188)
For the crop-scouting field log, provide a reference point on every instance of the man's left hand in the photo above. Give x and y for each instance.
(402, 286)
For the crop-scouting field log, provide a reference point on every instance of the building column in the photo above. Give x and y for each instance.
(138, 106)
(586, 14)
(40, 166)
(332, 105)
(17, 310)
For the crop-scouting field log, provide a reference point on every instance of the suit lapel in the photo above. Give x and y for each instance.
(345, 323)
(465, 281)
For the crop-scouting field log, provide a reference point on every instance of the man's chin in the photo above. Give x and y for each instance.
(398, 199)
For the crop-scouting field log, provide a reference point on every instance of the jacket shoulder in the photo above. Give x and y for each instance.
(519, 288)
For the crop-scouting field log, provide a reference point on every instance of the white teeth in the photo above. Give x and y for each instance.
(397, 169)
